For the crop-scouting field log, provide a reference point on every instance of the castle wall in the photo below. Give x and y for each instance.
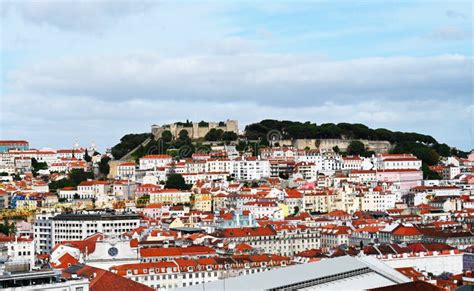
(378, 146)
(195, 131)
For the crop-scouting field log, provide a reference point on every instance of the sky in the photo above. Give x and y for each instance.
(93, 71)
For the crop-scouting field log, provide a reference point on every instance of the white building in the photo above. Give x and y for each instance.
(126, 170)
(250, 169)
(378, 201)
(17, 249)
(397, 161)
(264, 209)
(308, 170)
(72, 226)
(218, 165)
(42, 232)
(77, 153)
(149, 162)
(449, 172)
(91, 189)
(352, 163)
(287, 241)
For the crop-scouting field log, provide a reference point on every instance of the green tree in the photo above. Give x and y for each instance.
(429, 174)
(241, 146)
(459, 153)
(37, 166)
(127, 143)
(176, 181)
(166, 136)
(336, 149)
(87, 158)
(7, 228)
(214, 135)
(292, 130)
(296, 210)
(442, 149)
(356, 148)
(283, 175)
(183, 135)
(104, 167)
(229, 136)
(59, 184)
(139, 153)
(426, 155)
(76, 176)
(76, 196)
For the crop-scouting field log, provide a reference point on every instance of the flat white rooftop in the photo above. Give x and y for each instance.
(342, 273)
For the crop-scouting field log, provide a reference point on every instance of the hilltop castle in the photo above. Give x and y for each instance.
(195, 130)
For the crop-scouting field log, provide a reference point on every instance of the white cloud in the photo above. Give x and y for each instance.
(450, 33)
(265, 79)
(59, 122)
(77, 15)
(457, 14)
(207, 68)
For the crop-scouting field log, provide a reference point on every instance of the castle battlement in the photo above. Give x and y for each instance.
(195, 129)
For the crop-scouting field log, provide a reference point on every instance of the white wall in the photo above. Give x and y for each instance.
(435, 264)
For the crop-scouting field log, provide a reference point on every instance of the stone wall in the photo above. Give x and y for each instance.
(378, 146)
(194, 130)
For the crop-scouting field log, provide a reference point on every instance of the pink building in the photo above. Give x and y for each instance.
(405, 178)
(470, 157)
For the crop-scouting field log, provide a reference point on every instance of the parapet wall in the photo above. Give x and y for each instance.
(194, 130)
(378, 146)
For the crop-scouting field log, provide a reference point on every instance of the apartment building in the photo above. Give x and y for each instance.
(149, 162)
(251, 169)
(284, 241)
(51, 229)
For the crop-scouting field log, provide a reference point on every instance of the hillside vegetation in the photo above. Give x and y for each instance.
(308, 130)
(425, 147)
(127, 143)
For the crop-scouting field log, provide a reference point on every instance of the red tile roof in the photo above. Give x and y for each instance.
(293, 193)
(246, 232)
(13, 142)
(157, 157)
(176, 251)
(65, 261)
(338, 213)
(105, 280)
(403, 230)
(243, 247)
(86, 246)
(412, 286)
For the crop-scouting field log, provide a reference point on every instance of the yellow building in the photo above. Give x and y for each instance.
(170, 196)
(26, 204)
(203, 202)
